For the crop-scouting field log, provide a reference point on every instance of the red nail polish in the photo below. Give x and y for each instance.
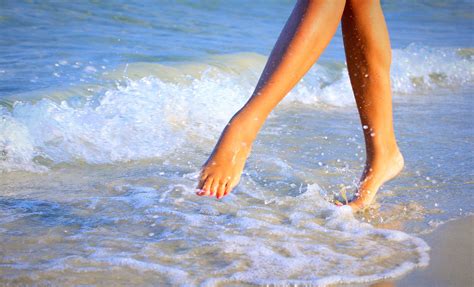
(200, 192)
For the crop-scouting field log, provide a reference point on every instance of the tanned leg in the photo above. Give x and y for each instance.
(368, 56)
(307, 32)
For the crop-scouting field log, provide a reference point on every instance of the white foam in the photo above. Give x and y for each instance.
(420, 68)
(16, 146)
(153, 116)
(293, 256)
(188, 241)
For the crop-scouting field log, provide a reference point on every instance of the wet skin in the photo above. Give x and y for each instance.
(306, 34)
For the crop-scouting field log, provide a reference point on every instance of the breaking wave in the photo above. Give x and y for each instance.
(145, 110)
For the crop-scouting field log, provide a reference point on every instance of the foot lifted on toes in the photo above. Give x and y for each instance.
(222, 171)
(376, 173)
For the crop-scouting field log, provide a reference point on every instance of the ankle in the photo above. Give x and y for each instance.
(236, 137)
(246, 125)
(383, 152)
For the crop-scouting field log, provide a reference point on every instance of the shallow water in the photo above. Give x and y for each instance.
(103, 132)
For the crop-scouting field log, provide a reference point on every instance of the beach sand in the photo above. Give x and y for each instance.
(452, 257)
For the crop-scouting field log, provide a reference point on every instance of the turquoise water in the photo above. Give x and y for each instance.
(38, 35)
(108, 111)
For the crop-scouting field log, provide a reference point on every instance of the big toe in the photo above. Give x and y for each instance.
(205, 188)
(202, 180)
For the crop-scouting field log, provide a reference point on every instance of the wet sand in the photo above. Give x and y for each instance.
(452, 257)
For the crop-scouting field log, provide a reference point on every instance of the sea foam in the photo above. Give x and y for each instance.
(295, 240)
(156, 109)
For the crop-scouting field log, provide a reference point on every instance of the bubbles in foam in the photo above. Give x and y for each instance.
(418, 67)
(188, 240)
(16, 147)
(154, 116)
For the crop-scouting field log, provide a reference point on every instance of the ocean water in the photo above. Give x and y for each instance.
(108, 110)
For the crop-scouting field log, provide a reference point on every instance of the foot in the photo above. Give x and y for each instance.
(222, 171)
(376, 173)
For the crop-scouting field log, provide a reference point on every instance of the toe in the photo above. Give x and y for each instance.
(227, 189)
(207, 186)
(214, 187)
(221, 190)
(200, 185)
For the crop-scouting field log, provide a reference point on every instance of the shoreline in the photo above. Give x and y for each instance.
(451, 256)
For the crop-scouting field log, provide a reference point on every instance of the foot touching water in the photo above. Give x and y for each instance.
(376, 173)
(222, 171)
(306, 34)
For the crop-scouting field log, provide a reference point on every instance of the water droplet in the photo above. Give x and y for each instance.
(366, 75)
(151, 234)
(365, 127)
(372, 134)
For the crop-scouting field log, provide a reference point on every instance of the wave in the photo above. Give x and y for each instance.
(146, 110)
(166, 237)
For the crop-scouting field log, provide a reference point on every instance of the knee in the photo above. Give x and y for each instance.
(359, 3)
(358, 7)
(383, 57)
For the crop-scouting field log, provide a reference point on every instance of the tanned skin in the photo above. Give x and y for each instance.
(304, 37)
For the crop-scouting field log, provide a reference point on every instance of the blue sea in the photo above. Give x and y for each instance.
(109, 108)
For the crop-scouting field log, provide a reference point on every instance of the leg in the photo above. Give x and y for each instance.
(307, 32)
(368, 56)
